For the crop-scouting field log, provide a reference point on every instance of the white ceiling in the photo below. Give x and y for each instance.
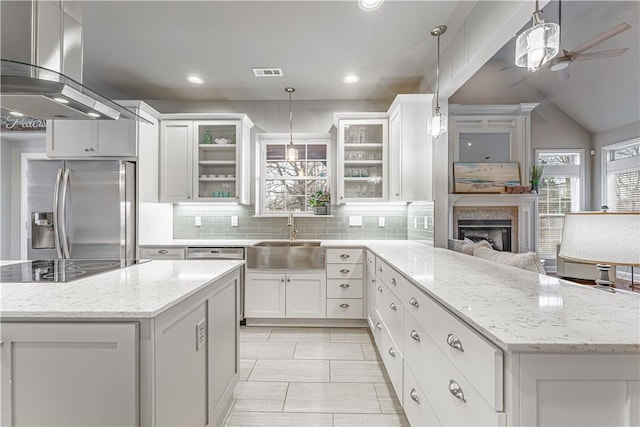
(144, 49)
(600, 95)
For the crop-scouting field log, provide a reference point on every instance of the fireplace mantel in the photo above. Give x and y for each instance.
(527, 205)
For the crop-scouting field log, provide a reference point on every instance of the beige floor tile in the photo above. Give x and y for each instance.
(370, 420)
(369, 351)
(261, 390)
(356, 335)
(331, 398)
(265, 419)
(267, 350)
(367, 371)
(246, 365)
(300, 335)
(256, 334)
(291, 370)
(387, 398)
(329, 351)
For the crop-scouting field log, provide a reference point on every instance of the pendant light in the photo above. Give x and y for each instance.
(292, 152)
(438, 124)
(538, 44)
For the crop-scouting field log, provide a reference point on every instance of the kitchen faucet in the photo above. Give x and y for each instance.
(293, 231)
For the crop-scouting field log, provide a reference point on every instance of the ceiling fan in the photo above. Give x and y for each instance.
(561, 62)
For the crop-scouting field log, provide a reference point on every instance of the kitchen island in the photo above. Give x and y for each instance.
(151, 344)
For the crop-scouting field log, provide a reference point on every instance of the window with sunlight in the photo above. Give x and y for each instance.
(622, 176)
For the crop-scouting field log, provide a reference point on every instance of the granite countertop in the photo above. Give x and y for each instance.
(139, 291)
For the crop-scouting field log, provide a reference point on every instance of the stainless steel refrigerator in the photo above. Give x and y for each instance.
(82, 209)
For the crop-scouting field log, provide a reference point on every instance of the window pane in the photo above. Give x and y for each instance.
(317, 168)
(623, 191)
(559, 158)
(285, 169)
(626, 152)
(276, 152)
(558, 195)
(317, 152)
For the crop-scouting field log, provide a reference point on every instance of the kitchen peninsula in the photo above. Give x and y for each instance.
(151, 344)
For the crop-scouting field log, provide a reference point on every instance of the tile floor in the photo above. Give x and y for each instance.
(312, 377)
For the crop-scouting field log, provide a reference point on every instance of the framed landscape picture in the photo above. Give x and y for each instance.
(485, 177)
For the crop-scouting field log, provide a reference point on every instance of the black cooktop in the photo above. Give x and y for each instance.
(60, 270)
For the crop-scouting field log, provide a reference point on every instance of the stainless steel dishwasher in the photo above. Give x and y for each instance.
(222, 254)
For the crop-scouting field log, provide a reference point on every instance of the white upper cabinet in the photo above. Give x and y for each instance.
(410, 149)
(176, 160)
(362, 159)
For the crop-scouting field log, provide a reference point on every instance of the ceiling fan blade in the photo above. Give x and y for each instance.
(602, 37)
(600, 55)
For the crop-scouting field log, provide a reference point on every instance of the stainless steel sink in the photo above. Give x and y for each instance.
(279, 254)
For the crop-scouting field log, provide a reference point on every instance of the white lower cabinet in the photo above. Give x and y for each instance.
(345, 308)
(416, 406)
(392, 358)
(290, 295)
(166, 253)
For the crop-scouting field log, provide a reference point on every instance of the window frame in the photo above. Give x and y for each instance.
(615, 166)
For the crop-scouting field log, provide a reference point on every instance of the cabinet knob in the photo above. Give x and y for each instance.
(379, 288)
(379, 269)
(393, 282)
(344, 305)
(414, 302)
(344, 285)
(163, 251)
(341, 197)
(281, 280)
(398, 194)
(454, 342)
(370, 260)
(86, 149)
(344, 270)
(92, 149)
(288, 280)
(414, 396)
(393, 306)
(414, 334)
(378, 325)
(344, 255)
(188, 197)
(392, 353)
(373, 280)
(456, 390)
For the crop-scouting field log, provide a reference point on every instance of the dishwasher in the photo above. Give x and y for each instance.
(222, 254)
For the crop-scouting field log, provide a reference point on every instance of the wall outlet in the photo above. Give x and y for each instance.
(198, 221)
(355, 221)
(381, 221)
(201, 334)
(234, 221)
(415, 222)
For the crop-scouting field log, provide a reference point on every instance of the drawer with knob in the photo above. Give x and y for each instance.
(371, 263)
(478, 359)
(345, 288)
(344, 271)
(392, 358)
(348, 255)
(390, 310)
(416, 406)
(160, 253)
(344, 308)
(394, 280)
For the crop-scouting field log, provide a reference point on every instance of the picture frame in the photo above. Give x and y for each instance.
(485, 177)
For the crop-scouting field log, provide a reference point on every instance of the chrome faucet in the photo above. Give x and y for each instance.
(293, 231)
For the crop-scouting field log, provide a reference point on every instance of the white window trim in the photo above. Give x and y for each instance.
(262, 140)
(621, 165)
(567, 170)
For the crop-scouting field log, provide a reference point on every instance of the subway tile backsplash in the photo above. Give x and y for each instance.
(216, 223)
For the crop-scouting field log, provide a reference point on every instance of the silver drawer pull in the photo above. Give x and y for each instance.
(379, 288)
(456, 391)
(379, 269)
(379, 326)
(344, 285)
(373, 280)
(344, 305)
(392, 353)
(454, 342)
(415, 335)
(393, 282)
(345, 256)
(163, 251)
(414, 302)
(393, 306)
(370, 260)
(414, 396)
(344, 270)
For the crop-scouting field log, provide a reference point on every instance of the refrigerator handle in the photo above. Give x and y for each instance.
(63, 216)
(56, 224)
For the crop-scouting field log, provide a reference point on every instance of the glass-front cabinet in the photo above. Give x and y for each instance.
(217, 160)
(362, 160)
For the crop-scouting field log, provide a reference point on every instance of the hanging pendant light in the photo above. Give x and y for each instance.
(292, 152)
(538, 44)
(438, 124)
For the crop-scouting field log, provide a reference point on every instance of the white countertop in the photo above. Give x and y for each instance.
(246, 242)
(139, 291)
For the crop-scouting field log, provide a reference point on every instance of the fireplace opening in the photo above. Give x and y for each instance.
(495, 231)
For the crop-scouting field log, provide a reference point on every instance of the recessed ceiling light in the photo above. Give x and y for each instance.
(15, 113)
(92, 114)
(61, 100)
(370, 5)
(351, 78)
(195, 79)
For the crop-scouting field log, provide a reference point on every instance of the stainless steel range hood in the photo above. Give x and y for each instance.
(41, 68)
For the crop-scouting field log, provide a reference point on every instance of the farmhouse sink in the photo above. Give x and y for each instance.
(279, 254)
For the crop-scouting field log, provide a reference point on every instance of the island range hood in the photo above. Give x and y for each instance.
(41, 65)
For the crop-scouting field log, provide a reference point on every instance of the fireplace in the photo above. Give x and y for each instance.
(495, 231)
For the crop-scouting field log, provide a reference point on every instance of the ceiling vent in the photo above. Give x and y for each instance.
(267, 72)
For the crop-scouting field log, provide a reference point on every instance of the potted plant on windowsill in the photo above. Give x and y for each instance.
(536, 176)
(320, 201)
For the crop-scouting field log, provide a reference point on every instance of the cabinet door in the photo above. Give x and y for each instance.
(69, 374)
(148, 161)
(71, 138)
(362, 160)
(176, 148)
(264, 295)
(117, 138)
(306, 295)
(395, 156)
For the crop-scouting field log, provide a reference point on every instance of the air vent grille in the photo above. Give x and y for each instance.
(267, 72)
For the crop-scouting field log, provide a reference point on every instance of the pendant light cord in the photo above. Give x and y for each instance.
(438, 79)
(290, 120)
